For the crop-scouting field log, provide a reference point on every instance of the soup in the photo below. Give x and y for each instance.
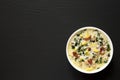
(89, 49)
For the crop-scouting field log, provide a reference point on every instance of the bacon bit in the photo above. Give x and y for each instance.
(90, 61)
(88, 38)
(75, 55)
(102, 49)
(89, 49)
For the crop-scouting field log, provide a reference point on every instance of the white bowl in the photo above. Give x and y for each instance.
(94, 71)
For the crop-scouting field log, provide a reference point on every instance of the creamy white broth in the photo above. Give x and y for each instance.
(89, 49)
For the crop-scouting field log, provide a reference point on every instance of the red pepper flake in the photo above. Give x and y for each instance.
(90, 61)
(88, 38)
(75, 55)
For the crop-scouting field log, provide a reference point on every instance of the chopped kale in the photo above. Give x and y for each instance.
(98, 68)
(79, 48)
(96, 39)
(101, 38)
(105, 61)
(75, 43)
(98, 34)
(108, 47)
(73, 47)
(78, 34)
(109, 55)
(101, 43)
(96, 61)
(100, 59)
(82, 60)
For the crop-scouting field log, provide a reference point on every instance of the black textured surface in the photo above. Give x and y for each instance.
(34, 34)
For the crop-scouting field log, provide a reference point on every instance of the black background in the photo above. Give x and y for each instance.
(34, 34)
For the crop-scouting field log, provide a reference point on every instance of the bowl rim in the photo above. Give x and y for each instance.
(111, 52)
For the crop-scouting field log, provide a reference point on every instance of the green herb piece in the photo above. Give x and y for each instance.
(79, 48)
(84, 30)
(105, 61)
(96, 30)
(76, 59)
(96, 39)
(78, 34)
(108, 47)
(83, 52)
(80, 40)
(98, 68)
(109, 55)
(86, 58)
(98, 34)
(82, 60)
(101, 38)
(75, 43)
(73, 47)
(86, 45)
(96, 61)
(75, 39)
(80, 53)
(101, 43)
(100, 60)
(84, 49)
